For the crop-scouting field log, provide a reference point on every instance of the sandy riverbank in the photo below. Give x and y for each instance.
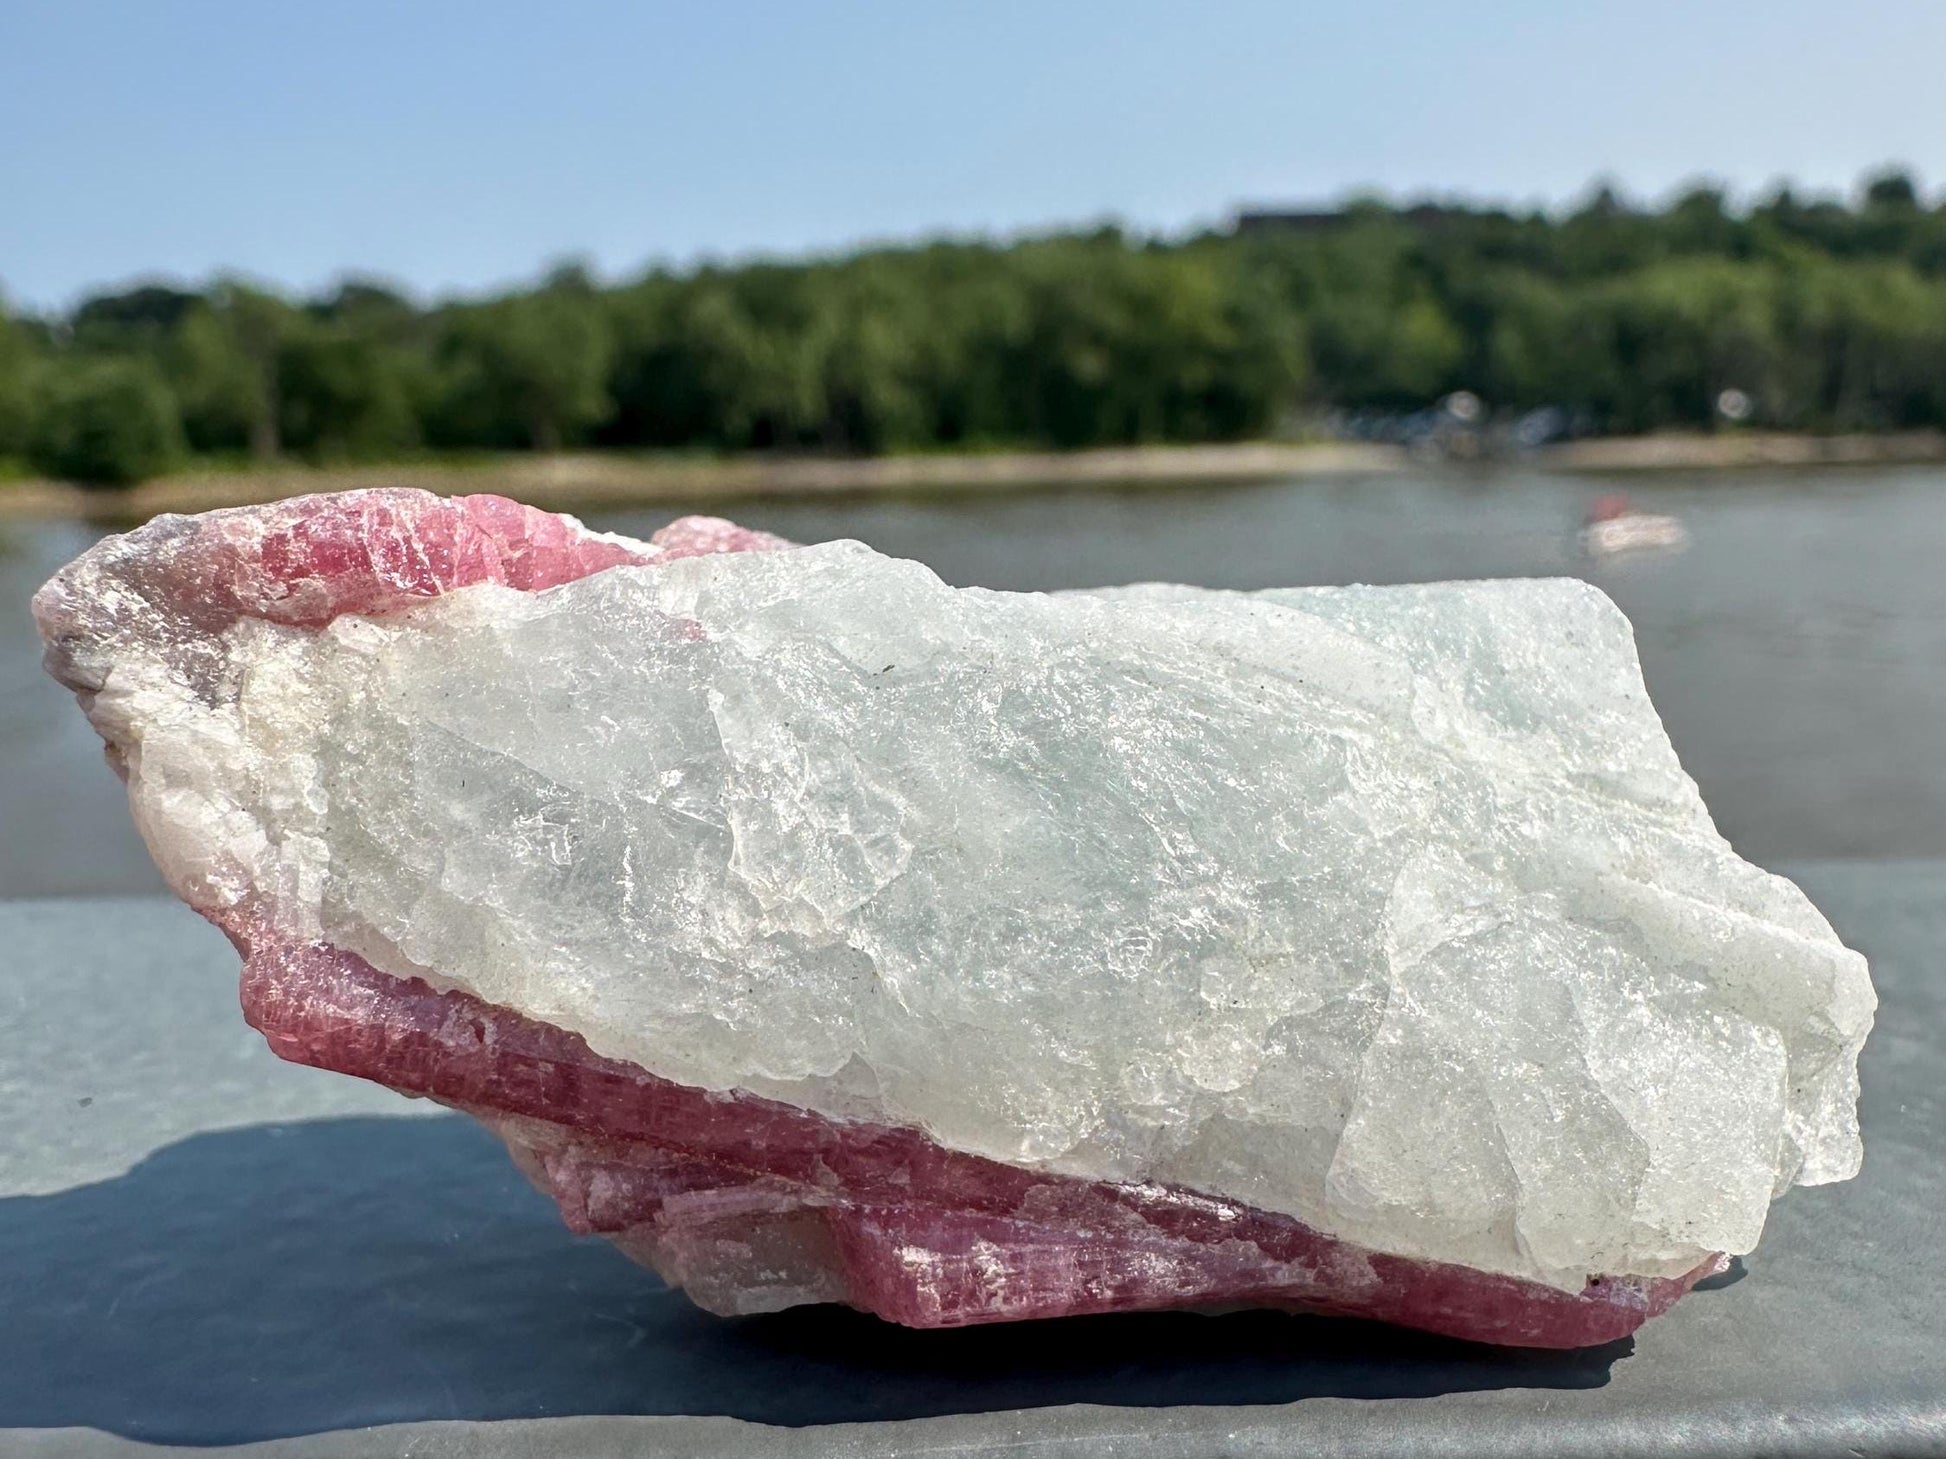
(590, 481)
(1681, 451)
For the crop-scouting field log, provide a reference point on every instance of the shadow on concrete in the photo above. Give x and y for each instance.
(1728, 1277)
(287, 1279)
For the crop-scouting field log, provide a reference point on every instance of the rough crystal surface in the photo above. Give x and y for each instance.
(823, 932)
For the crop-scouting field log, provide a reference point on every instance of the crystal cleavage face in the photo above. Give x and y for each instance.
(825, 933)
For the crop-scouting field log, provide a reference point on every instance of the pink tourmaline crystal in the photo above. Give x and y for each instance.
(747, 1203)
(750, 1205)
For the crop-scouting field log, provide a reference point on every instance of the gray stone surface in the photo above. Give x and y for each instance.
(119, 1033)
(342, 1283)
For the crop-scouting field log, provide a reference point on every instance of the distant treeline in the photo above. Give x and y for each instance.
(1826, 316)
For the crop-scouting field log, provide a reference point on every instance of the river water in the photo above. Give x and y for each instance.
(1797, 649)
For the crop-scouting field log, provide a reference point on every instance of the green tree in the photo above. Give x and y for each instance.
(225, 396)
(863, 343)
(1126, 343)
(1545, 345)
(531, 369)
(1700, 221)
(137, 319)
(18, 359)
(1892, 188)
(1684, 331)
(1829, 312)
(1380, 333)
(344, 394)
(104, 423)
(1862, 346)
(972, 331)
(258, 325)
(223, 356)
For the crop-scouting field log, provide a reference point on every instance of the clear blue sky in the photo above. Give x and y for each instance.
(455, 146)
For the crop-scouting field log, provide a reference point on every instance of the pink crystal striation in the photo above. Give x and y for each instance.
(747, 1204)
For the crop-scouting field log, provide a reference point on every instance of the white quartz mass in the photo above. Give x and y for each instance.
(1387, 908)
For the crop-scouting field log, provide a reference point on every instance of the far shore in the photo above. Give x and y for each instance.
(593, 481)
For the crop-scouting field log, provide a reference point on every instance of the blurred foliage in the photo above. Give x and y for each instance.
(18, 359)
(1828, 316)
(104, 422)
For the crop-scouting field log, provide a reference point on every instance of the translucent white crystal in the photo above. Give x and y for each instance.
(1387, 908)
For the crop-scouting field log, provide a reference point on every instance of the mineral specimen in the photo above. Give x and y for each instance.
(821, 932)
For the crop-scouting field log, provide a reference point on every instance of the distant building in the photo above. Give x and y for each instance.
(1425, 216)
(1287, 220)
